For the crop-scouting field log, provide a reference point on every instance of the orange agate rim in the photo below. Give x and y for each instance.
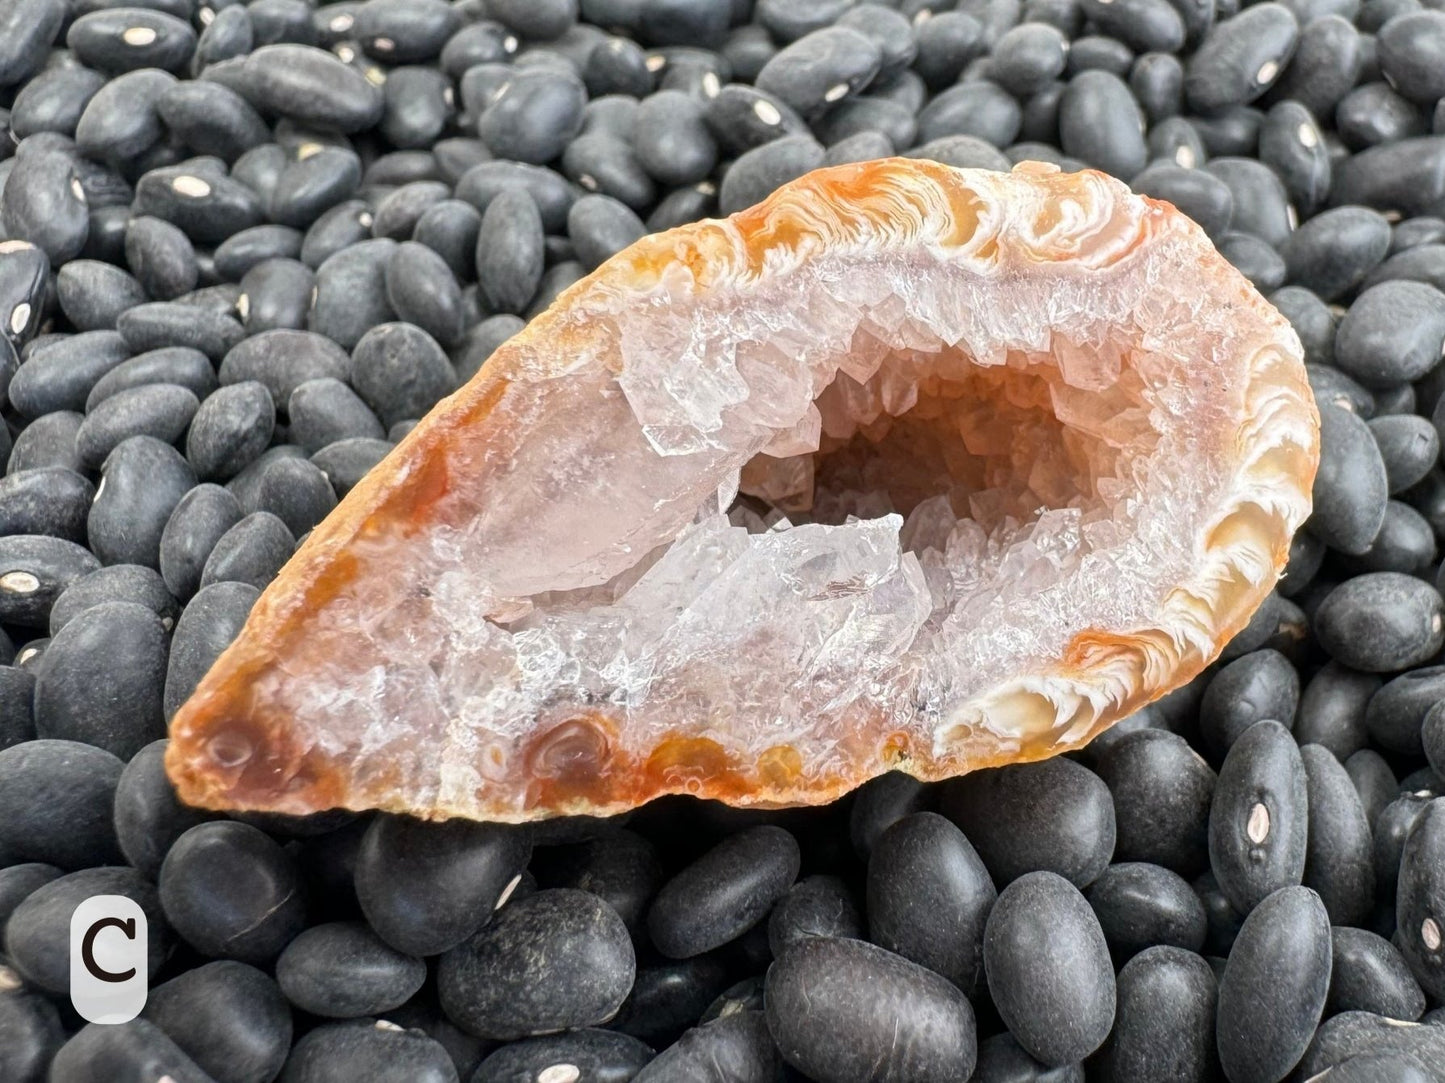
(1102, 676)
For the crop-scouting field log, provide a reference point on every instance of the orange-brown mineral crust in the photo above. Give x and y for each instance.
(907, 467)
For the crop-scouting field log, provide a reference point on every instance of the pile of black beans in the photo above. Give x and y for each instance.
(245, 246)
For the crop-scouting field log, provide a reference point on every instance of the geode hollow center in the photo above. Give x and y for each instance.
(906, 468)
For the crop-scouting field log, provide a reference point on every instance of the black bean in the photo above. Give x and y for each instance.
(1241, 57)
(375, 1050)
(1274, 985)
(1257, 686)
(1339, 861)
(1095, 52)
(814, 906)
(1157, 81)
(1409, 446)
(346, 462)
(43, 203)
(1412, 52)
(449, 228)
(252, 551)
(1391, 828)
(1048, 968)
(231, 892)
(1161, 792)
(124, 39)
(947, 43)
(616, 66)
(848, 1011)
(122, 121)
(820, 69)
(115, 583)
(142, 480)
(425, 888)
(1292, 144)
(276, 295)
(509, 250)
(1405, 543)
(404, 31)
(1143, 25)
(1254, 258)
(34, 570)
(672, 140)
(1393, 332)
(1351, 488)
(49, 500)
(1054, 815)
(161, 257)
(723, 893)
(534, 116)
(1420, 904)
(26, 31)
(53, 100)
(323, 411)
(556, 959)
(1335, 250)
(1381, 622)
(229, 1017)
(1354, 1032)
(1141, 905)
(344, 970)
(1258, 821)
(243, 250)
(929, 895)
(37, 936)
(400, 372)
(159, 410)
(1261, 204)
(228, 35)
(754, 174)
(1373, 114)
(549, 190)
(879, 804)
(1199, 194)
(978, 108)
(295, 490)
(1422, 229)
(31, 1027)
(1374, 782)
(1173, 139)
(102, 679)
(148, 815)
(55, 803)
(198, 522)
(92, 294)
(621, 867)
(600, 162)
(310, 86)
(1370, 974)
(1324, 65)
(312, 185)
(736, 1047)
(1028, 57)
(342, 226)
(423, 290)
(398, 211)
(1166, 1019)
(670, 997)
(600, 1055)
(1332, 709)
(230, 428)
(1407, 177)
(209, 623)
(600, 227)
(170, 323)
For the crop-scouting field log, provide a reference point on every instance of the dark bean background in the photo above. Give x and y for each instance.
(244, 247)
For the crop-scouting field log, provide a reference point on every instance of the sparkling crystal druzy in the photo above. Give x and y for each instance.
(907, 467)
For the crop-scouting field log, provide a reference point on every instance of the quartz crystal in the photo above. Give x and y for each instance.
(905, 468)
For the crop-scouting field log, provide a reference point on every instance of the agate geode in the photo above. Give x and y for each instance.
(906, 468)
